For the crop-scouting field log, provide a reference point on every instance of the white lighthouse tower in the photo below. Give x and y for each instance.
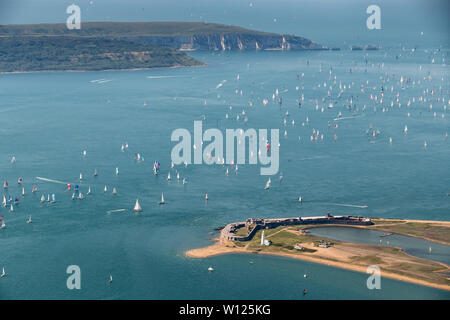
(262, 238)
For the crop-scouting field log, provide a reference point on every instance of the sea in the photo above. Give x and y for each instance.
(48, 119)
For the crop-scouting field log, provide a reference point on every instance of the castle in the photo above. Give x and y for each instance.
(253, 225)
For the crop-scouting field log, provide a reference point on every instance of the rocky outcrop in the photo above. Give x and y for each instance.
(229, 41)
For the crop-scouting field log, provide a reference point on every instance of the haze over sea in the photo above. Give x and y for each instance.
(47, 119)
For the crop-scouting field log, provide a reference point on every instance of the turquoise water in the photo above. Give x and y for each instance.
(47, 119)
(414, 246)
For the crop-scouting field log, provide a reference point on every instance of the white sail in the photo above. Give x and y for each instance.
(42, 198)
(105, 189)
(3, 272)
(114, 191)
(162, 199)
(23, 191)
(267, 185)
(168, 176)
(89, 191)
(137, 206)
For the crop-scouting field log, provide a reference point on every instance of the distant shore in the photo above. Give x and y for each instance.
(106, 70)
(344, 255)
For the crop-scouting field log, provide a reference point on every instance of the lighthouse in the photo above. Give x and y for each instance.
(262, 238)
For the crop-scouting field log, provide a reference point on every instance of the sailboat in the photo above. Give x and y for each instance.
(11, 208)
(80, 196)
(300, 199)
(3, 226)
(73, 196)
(23, 192)
(3, 272)
(34, 189)
(53, 198)
(110, 278)
(4, 201)
(48, 198)
(137, 206)
(81, 176)
(105, 189)
(19, 181)
(172, 165)
(42, 199)
(156, 166)
(89, 191)
(114, 191)
(95, 173)
(168, 176)
(178, 176)
(5, 185)
(162, 199)
(206, 197)
(29, 220)
(210, 269)
(117, 171)
(267, 185)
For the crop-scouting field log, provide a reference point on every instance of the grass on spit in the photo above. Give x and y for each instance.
(282, 240)
(423, 230)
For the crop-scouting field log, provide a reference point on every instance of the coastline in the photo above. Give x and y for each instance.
(338, 255)
(104, 70)
(217, 249)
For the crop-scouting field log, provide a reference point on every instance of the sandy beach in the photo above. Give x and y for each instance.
(343, 255)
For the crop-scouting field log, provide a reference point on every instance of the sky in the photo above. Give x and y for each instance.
(319, 20)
